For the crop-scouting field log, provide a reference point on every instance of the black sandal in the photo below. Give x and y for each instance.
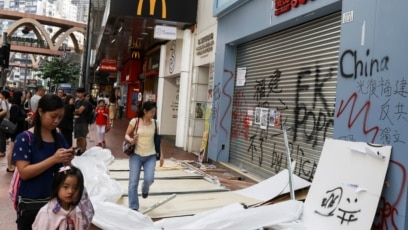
(10, 171)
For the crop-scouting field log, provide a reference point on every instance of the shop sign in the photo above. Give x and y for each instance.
(108, 65)
(31, 82)
(283, 6)
(165, 32)
(168, 10)
(205, 45)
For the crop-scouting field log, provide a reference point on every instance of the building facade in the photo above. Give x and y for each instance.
(316, 69)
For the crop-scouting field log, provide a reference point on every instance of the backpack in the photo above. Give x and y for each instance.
(90, 114)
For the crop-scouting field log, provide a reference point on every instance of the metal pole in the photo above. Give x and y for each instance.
(88, 49)
(285, 136)
(3, 72)
(25, 74)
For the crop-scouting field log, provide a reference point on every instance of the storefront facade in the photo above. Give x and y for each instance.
(316, 69)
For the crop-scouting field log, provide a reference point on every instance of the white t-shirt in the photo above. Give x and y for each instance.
(34, 102)
(5, 106)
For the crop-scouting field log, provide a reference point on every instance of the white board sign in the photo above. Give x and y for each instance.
(165, 32)
(347, 186)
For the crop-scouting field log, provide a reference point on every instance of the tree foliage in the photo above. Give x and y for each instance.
(59, 70)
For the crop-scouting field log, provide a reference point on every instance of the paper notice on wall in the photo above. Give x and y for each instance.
(264, 118)
(241, 73)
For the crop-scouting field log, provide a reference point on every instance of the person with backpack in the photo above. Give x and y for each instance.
(82, 108)
(19, 117)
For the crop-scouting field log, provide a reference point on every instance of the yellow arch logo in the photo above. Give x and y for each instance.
(152, 7)
(135, 55)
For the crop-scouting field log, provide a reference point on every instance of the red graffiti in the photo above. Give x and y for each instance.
(352, 118)
(240, 118)
(386, 211)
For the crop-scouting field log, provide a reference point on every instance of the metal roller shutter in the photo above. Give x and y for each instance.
(295, 72)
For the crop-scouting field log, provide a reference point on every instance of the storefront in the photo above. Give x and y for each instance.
(317, 69)
(282, 74)
(288, 78)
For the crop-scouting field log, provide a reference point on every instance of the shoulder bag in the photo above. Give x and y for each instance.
(7, 126)
(127, 147)
(157, 142)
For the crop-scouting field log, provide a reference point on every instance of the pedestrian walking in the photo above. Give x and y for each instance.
(62, 211)
(39, 92)
(66, 125)
(120, 109)
(112, 109)
(81, 124)
(26, 102)
(102, 114)
(140, 131)
(4, 113)
(38, 154)
(19, 117)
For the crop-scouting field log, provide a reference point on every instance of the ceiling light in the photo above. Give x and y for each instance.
(113, 40)
(120, 29)
(144, 33)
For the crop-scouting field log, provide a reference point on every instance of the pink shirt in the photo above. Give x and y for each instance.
(47, 219)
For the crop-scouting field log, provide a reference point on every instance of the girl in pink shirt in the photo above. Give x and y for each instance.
(62, 211)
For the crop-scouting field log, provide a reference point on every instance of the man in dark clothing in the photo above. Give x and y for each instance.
(81, 124)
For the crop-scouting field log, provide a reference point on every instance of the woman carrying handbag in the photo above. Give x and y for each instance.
(141, 131)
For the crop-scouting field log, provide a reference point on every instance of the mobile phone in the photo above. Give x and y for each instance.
(77, 151)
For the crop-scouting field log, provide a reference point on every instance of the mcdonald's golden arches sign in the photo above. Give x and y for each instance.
(171, 10)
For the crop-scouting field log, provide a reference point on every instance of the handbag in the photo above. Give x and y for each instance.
(157, 142)
(7, 126)
(127, 147)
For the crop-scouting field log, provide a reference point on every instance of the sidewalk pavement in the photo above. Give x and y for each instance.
(114, 139)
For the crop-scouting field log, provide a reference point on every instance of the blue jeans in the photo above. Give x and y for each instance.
(135, 167)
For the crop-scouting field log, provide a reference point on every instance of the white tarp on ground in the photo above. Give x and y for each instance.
(105, 192)
(235, 216)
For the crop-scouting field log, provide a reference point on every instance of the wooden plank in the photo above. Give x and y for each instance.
(123, 165)
(159, 174)
(189, 204)
(160, 187)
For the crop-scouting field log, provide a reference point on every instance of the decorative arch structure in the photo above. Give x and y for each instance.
(52, 43)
